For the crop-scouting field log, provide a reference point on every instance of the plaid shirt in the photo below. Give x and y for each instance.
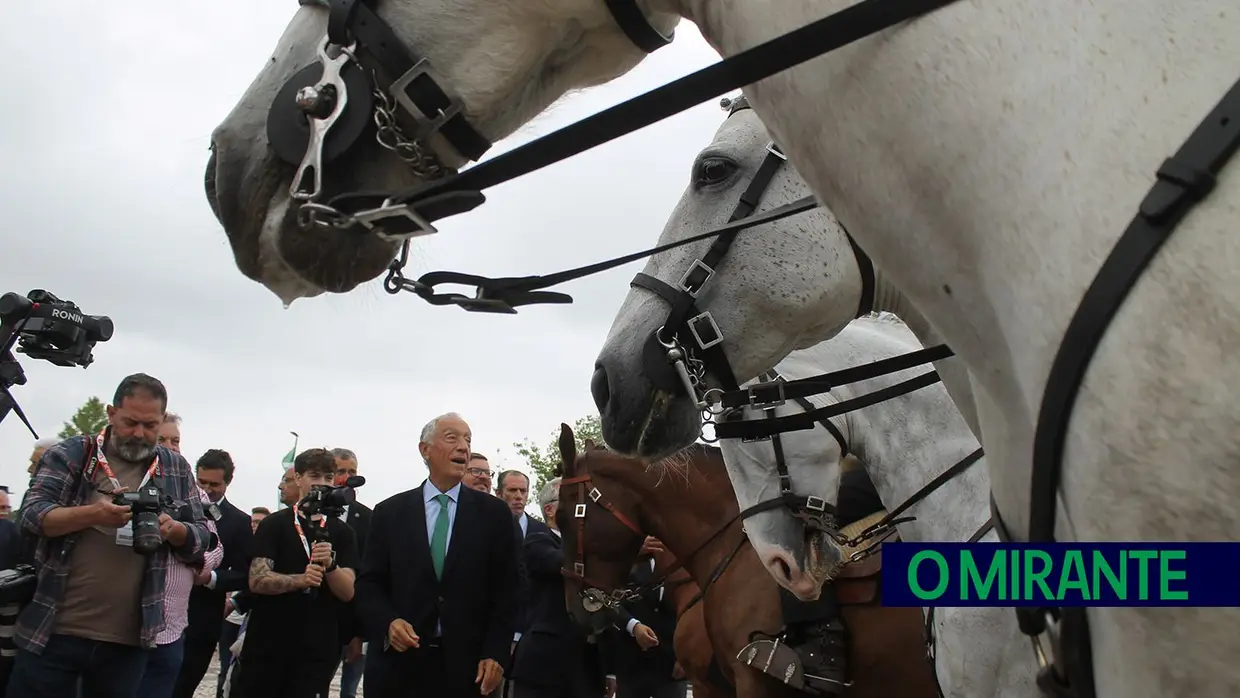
(58, 481)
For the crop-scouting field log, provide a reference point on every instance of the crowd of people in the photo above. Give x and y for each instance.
(145, 571)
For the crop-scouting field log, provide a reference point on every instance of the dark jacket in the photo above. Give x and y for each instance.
(532, 526)
(622, 655)
(206, 606)
(475, 600)
(358, 517)
(553, 652)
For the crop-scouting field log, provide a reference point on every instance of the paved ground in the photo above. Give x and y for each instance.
(206, 689)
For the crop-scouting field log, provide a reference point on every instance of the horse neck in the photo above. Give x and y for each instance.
(901, 456)
(686, 510)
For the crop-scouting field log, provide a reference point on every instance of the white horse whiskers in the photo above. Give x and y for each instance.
(987, 156)
(904, 443)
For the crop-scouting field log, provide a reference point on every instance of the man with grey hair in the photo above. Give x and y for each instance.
(39, 447)
(440, 577)
(170, 432)
(357, 516)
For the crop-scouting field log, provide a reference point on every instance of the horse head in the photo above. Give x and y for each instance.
(451, 75)
(597, 518)
(780, 286)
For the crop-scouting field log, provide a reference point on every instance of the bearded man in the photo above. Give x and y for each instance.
(99, 604)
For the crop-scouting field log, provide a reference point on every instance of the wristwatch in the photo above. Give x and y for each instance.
(332, 566)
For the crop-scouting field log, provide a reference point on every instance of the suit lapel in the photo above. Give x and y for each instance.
(462, 529)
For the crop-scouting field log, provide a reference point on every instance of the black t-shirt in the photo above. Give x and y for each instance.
(297, 623)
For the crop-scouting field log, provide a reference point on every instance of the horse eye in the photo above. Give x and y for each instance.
(713, 171)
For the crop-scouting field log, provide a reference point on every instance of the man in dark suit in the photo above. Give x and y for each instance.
(553, 658)
(438, 589)
(639, 652)
(357, 516)
(206, 602)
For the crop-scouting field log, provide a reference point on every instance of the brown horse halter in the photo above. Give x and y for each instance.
(594, 597)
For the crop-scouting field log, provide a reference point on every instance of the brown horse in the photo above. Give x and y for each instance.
(608, 506)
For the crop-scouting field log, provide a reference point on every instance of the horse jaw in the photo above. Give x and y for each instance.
(506, 61)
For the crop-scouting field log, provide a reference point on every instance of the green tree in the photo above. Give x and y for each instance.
(544, 459)
(90, 418)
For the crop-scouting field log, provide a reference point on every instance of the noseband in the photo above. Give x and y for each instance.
(367, 76)
(593, 595)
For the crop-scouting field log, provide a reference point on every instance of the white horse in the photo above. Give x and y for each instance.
(904, 443)
(987, 156)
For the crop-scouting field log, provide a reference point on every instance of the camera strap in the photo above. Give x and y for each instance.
(98, 459)
(305, 542)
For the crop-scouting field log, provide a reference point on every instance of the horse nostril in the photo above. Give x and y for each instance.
(783, 569)
(599, 388)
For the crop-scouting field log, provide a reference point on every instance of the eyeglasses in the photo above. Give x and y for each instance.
(479, 472)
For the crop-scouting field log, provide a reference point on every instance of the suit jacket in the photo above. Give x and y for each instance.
(553, 652)
(358, 517)
(475, 601)
(206, 606)
(532, 526)
(622, 655)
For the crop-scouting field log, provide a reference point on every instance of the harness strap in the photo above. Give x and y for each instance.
(735, 427)
(942, 479)
(355, 20)
(634, 24)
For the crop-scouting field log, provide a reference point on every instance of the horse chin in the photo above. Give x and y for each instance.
(331, 259)
(668, 425)
(823, 557)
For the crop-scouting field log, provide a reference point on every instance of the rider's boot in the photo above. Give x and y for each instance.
(811, 653)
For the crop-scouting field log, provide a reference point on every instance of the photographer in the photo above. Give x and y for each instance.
(99, 603)
(302, 576)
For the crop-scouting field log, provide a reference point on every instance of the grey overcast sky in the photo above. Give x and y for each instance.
(106, 118)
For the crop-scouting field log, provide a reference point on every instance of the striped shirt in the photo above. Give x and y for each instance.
(179, 582)
(58, 482)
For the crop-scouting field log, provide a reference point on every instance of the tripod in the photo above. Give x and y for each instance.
(11, 374)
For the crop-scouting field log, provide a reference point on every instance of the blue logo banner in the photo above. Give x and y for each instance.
(1061, 574)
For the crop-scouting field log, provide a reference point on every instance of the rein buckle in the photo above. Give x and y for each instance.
(389, 209)
(766, 395)
(695, 278)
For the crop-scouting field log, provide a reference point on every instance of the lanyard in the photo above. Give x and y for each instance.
(305, 544)
(100, 459)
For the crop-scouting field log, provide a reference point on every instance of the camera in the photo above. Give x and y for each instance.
(146, 505)
(52, 329)
(17, 585)
(330, 500)
(47, 328)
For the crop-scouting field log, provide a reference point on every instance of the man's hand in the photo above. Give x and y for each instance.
(201, 577)
(354, 652)
(489, 674)
(172, 530)
(401, 636)
(645, 636)
(321, 554)
(105, 513)
(610, 688)
(313, 576)
(652, 545)
(678, 672)
(229, 606)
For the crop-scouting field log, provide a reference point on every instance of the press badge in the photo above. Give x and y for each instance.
(124, 535)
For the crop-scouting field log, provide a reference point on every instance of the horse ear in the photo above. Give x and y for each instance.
(568, 450)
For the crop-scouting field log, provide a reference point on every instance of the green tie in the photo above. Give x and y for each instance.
(439, 538)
